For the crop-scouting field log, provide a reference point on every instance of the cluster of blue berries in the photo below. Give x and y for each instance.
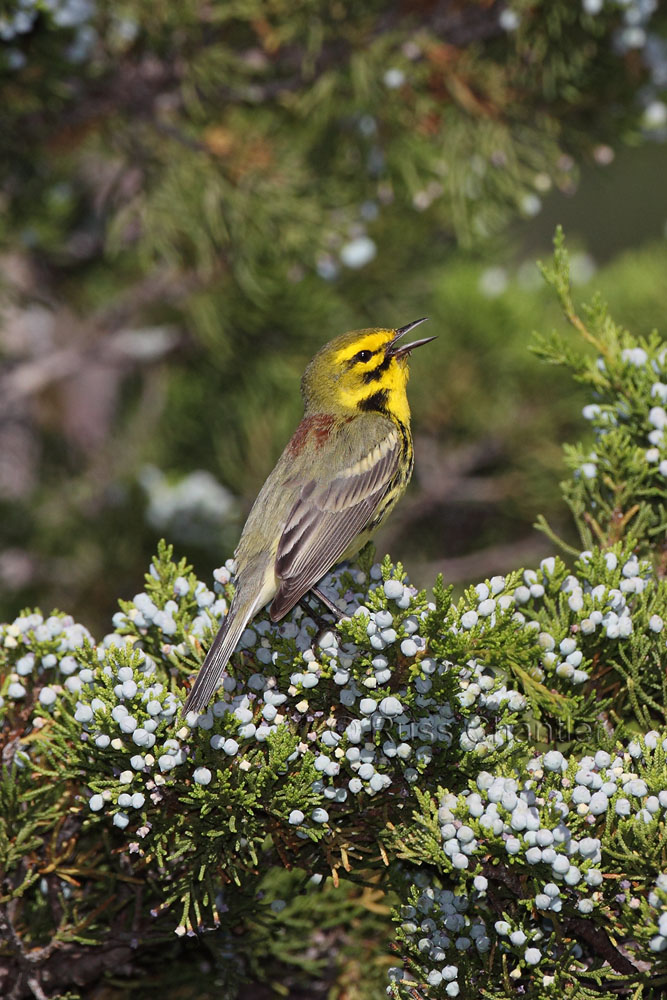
(439, 927)
(566, 616)
(191, 606)
(128, 713)
(41, 653)
(541, 824)
(640, 414)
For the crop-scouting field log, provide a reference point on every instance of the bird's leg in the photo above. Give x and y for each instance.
(314, 611)
(323, 626)
(335, 611)
(321, 622)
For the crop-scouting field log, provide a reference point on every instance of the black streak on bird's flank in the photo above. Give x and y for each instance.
(406, 441)
(377, 373)
(378, 401)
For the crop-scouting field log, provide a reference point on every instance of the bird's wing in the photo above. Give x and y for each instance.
(327, 516)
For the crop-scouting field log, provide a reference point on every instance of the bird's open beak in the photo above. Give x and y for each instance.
(404, 350)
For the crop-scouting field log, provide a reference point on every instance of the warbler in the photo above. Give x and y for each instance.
(345, 467)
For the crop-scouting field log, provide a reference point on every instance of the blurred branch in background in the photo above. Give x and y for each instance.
(452, 491)
(196, 196)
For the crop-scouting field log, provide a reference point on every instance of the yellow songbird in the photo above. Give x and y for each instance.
(347, 464)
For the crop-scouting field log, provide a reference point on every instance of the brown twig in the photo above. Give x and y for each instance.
(601, 943)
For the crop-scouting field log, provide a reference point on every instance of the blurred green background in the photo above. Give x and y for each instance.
(196, 196)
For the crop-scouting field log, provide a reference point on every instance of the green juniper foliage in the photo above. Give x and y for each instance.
(493, 767)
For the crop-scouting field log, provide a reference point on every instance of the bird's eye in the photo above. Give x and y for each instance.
(363, 356)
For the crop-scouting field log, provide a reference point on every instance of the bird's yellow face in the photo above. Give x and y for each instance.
(361, 371)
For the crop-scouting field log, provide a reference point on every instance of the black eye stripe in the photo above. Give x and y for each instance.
(376, 373)
(362, 357)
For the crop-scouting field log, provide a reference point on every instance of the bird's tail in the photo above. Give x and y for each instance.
(242, 609)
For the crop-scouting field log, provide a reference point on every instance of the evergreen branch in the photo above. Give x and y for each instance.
(541, 524)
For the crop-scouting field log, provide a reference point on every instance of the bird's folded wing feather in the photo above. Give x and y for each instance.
(326, 518)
